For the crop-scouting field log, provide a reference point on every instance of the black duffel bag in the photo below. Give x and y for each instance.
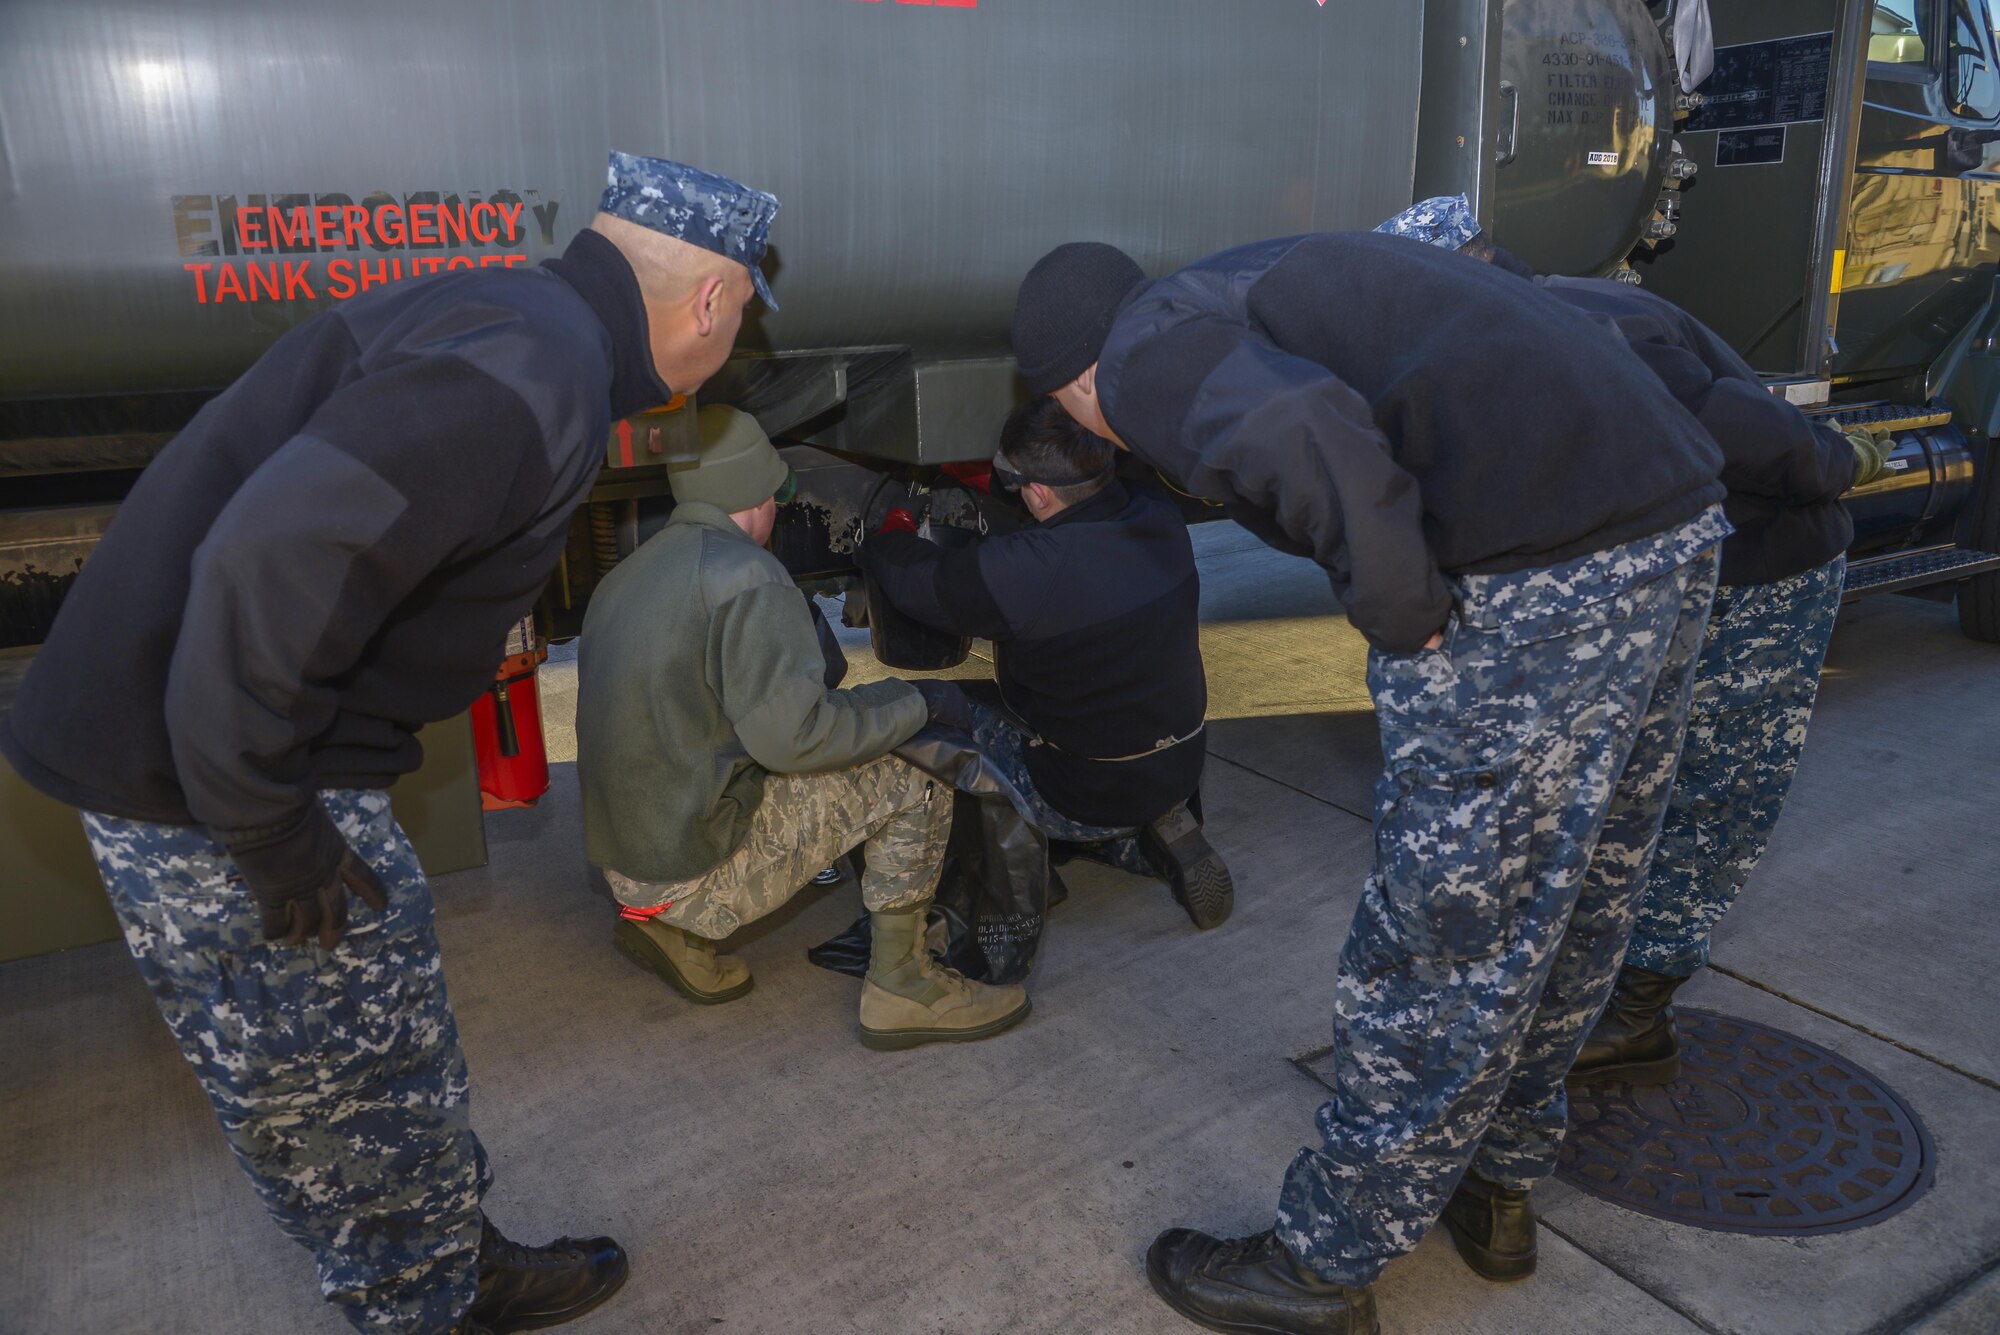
(995, 888)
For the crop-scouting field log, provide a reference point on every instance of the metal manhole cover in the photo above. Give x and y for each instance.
(1763, 1133)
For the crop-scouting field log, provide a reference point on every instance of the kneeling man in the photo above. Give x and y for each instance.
(1094, 613)
(720, 772)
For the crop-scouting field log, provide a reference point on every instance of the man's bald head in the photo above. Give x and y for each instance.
(694, 299)
(663, 263)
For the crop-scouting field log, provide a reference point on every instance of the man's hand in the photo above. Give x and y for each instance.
(320, 910)
(946, 703)
(1435, 641)
(1871, 452)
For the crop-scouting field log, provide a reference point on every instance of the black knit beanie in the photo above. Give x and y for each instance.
(1064, 311)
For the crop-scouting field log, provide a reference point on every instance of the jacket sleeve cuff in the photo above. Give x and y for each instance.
(287, 859)
(903, 704)
(1404, 631)
(916, 715)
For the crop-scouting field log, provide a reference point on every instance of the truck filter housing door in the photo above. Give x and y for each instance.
(1586, 113)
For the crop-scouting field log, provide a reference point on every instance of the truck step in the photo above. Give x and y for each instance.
(1935, 565)
(1892, 416)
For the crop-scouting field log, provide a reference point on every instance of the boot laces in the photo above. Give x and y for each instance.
(939, 974)
(498, 1249)
(1254, 1248)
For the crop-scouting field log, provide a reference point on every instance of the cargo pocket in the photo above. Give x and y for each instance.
(1451, 843)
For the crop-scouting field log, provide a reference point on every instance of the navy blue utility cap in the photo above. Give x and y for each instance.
(694, 206)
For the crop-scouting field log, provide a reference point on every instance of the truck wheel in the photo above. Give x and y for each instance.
(1979, 597)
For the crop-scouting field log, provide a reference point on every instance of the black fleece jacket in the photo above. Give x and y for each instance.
(1094, 617)
(1785, 473)
(1396, 412)
(331, 554)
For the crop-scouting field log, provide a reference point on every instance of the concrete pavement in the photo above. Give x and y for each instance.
(770, 1175)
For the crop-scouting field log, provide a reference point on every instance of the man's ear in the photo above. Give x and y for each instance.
(1086, 383)
(1044, 498)
(707, 304)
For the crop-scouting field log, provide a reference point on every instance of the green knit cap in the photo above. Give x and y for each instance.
(738, 469)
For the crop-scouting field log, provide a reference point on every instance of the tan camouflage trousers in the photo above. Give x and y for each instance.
(805, 821)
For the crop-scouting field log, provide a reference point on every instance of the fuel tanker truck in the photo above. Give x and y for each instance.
(183, 180)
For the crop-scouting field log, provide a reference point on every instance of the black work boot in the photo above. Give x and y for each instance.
(1253, 1285)
(527, 1288)
(1181, 856)
(1634, 1039)
(1493, 1227)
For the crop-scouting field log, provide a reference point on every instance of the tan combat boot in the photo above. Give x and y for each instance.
(688, 962)
(909, 999)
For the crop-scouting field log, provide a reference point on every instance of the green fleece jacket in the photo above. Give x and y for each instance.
(698, 674)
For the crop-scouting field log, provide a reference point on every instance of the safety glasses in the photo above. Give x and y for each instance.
(788, 490)
(1007, 479)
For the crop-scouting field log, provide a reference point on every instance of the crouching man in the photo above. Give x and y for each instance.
(720, 772)
(1097, 712)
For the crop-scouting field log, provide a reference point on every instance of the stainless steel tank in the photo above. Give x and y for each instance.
(926, 151)
(925, 154)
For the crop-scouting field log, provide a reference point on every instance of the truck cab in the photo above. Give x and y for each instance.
(1839, 230)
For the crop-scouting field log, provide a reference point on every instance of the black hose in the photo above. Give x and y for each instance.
(503, 712)
(867, 506)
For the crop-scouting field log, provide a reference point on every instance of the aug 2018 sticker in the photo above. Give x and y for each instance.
(1601, 158)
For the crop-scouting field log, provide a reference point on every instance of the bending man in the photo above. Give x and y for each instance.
(1533, 582)
(331, 554)
(1781, 579)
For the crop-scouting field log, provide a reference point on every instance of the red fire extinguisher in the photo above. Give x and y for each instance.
(507, 727)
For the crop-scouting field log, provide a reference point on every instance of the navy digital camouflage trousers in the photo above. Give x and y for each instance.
(337, 1075)
(1753, 699)
(1526, 768)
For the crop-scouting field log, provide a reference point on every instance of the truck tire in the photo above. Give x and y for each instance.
(1979, 597)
